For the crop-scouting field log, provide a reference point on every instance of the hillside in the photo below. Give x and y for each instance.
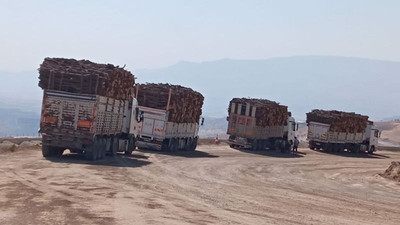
(390, 135)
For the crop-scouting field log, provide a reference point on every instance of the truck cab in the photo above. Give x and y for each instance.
(371, 137)
(290, 130)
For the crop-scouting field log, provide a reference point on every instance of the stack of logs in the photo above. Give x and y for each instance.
(339, 121)
(183, 104)
(85, 77)
(268, 113)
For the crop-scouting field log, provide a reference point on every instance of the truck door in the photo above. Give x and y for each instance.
(291, 131)
(374, 137)
(148, 125)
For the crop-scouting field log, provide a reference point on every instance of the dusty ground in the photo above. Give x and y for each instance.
(215, 185)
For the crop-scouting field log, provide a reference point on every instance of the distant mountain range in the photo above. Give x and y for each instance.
(20, 90)
(14, 122)
(303, 83)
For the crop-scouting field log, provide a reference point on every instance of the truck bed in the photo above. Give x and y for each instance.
(245, 126)
(80, 115)
(155, 124)
(321, 132)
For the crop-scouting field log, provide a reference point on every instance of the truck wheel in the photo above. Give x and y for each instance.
(336, 148)
(371, 150)
(254, 145)
(188, 144)
(277, 145)
(131, 146)
(128, 151)
(46, 151)
(101, 147)
(311, 146)
(329, 147)
(114, 146)
(92, 152)
(107, 147)
(288, 147)
(194, 144)
(174, 145)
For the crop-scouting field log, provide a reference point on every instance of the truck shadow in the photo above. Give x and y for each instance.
(187, 154)
(272, 153)
(355, 155)
(116, 161)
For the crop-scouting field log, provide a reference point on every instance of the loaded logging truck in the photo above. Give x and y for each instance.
(169, 117)
(258, 124)
(335, 131)
(87, 108)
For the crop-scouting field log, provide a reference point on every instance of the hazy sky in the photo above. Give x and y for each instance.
(151, 34)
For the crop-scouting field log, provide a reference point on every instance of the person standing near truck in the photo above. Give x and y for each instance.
(295, 144)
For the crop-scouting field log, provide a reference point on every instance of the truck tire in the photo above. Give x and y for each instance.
(254, 145)
(91, 153)
(114, 146)
(287, 146)
(371, 150)
(131, 146)
(100, 147)
(329, 147)
(260, 145)
(311, 145)
(107, 147)
(173, 145)
(46, 151)
(188, 144)
(194, 145)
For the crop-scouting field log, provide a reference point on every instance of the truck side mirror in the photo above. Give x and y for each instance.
(297, 127)
(202, 121)
(139, 115)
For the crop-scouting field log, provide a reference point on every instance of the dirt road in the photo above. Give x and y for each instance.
(215, 185)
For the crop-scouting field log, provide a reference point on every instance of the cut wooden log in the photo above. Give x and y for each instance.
(268, 113)
(348, 122)
(182, 103)
(85, 77)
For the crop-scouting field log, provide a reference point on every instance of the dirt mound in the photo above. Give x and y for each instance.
(393, 172)
(7, 146)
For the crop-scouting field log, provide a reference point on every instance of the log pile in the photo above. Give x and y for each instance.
(184, 104)
(339, 121)
(86, 77)
(268, 113)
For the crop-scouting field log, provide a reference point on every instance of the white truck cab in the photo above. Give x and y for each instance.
(291, 128)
